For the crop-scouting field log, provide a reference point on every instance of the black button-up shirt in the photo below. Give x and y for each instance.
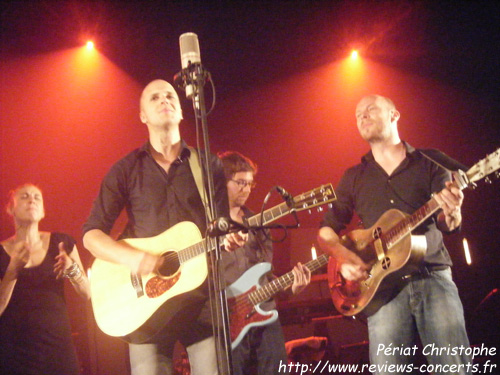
(369, 191)
(154, 200)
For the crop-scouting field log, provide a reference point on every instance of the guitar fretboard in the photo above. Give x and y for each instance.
(478, 171)
(209, 243)
(405, 226)
(269, 215)
(198, 248)
(323, 194)
(281, 283)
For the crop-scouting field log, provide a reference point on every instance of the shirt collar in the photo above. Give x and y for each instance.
(410, 152)
(185, 152)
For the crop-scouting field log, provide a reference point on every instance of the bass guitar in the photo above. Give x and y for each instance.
(245, 295)
(135, 307)
(391, 250)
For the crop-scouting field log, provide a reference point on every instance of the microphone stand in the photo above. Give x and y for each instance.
(218, 301)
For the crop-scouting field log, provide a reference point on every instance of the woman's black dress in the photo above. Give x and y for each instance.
(35, 332)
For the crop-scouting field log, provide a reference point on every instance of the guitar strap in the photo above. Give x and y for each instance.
(442, 160)
(194, 163)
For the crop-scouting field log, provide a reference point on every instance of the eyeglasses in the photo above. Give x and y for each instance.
(244, 183)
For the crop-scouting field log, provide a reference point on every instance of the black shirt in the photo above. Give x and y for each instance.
(257, 249)
(369, 191)
(153, 199)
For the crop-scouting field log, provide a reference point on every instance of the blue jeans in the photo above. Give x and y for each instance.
(261, 351)
(150, 359)
(428, 305)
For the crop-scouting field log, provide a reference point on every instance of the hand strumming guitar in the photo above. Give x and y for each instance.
(351, 266)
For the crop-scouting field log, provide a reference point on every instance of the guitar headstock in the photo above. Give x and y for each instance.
(316, 197)
(483, 168)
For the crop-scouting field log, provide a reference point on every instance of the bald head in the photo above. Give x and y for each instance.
(377, 119)
(379, 98)
(157, 84)
(159, 102)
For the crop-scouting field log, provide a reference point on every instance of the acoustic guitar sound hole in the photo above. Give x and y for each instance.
(170, 264)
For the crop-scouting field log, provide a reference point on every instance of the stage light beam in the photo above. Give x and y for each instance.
(314, 255)
(468, 257)
(354, 55)
(90, 45)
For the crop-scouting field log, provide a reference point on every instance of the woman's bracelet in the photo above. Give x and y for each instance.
(74, 273)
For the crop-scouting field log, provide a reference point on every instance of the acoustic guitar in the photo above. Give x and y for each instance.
(135, 307)
(391, 250)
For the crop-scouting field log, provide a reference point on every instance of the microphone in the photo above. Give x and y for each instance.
(287, 197)
(190, 56)
(224, 225)
(190, 49)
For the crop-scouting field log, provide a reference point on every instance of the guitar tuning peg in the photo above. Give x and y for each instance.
(330, 205)
(488, 180)
(320, 209)
(309, 211)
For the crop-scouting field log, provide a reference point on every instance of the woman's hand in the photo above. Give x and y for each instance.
(63, 261)
(19, 257)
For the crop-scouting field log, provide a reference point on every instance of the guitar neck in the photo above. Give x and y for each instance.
(480, 170)
(269, 215)
(405, 226)
(321, 195)
(208, 244)
(281, 283)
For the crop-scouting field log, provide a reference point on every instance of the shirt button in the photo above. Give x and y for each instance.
(392, 201)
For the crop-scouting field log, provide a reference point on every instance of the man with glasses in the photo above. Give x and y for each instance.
(262, 350)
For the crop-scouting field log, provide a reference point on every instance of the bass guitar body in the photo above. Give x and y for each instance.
(243, 313)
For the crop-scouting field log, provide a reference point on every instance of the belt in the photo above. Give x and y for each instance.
(426, 270)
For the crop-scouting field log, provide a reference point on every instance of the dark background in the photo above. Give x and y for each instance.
(286, 93)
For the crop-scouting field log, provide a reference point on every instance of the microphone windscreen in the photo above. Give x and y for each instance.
(190, 49)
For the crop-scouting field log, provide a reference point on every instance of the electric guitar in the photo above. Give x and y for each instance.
(135, 307)
(245, 295)
(390, 249)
